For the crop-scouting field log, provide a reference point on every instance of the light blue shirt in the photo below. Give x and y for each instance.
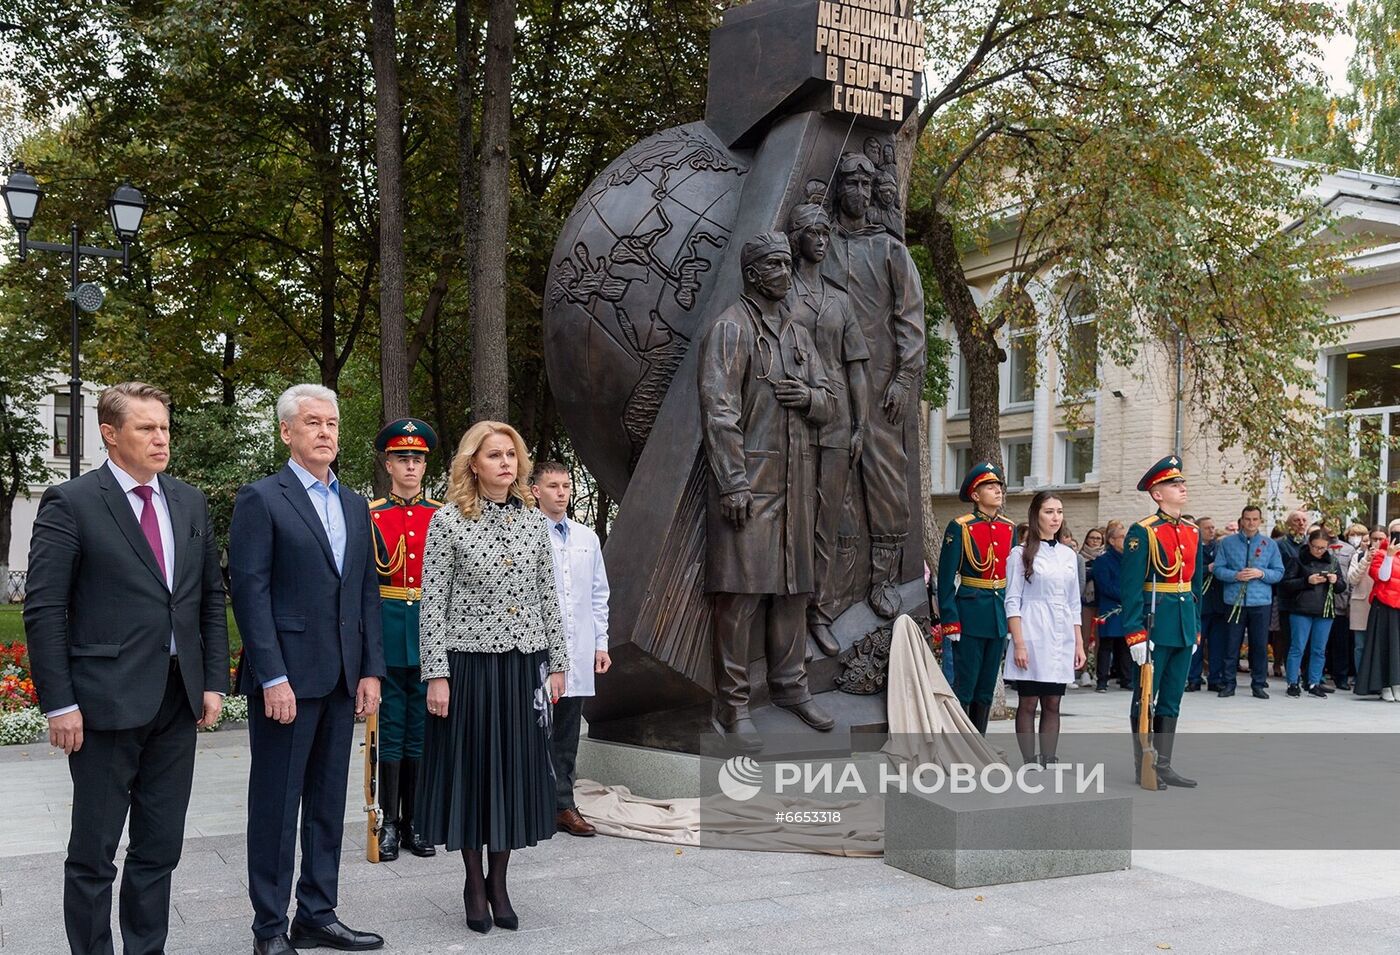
(325, 501)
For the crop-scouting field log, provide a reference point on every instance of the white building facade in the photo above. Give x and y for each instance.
(1091, 448)
(52, 413)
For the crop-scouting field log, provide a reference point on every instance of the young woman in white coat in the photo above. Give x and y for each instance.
(1043, 614)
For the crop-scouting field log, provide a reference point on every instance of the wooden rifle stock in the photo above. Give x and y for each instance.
(374, 814)
(1144, 727)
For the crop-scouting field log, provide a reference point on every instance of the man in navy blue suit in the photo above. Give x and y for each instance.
(306, 598)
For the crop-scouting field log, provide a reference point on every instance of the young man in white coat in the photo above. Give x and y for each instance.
(582, 583)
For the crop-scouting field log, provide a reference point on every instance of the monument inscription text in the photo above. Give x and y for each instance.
(874, 51)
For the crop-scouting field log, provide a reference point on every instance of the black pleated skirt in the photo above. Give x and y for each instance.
(1380, 659)
(486, 777)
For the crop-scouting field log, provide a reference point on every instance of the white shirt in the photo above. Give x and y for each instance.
(581, 581)
(1048, 605)
(162, 506)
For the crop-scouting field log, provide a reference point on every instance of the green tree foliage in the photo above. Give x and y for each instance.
(1123, 144)
(218, 448)
(250, 126)
(1127, 147)
(1374, 73)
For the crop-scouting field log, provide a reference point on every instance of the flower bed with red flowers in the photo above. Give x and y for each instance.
(20, 719)
(16, 688)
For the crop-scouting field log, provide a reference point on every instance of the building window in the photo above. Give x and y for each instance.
(1366, 383)
(1077, 452)
(61, 405)
(960, 462)
(1365, 378)
(1079, 365)
(1017, 455)
(1021, 351)
(1021, 371)
(962, 397)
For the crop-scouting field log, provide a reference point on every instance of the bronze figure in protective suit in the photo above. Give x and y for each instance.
(825, 311)
(875, 271)
(763, 391)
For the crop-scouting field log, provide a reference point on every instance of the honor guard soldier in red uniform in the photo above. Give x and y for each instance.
(1161, 583)
(972, 590)
(400, 524)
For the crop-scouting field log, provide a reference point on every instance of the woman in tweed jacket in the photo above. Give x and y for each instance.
(494, 656)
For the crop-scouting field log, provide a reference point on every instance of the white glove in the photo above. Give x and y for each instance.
(1195, 647)
(953, 637)
(1139, 653)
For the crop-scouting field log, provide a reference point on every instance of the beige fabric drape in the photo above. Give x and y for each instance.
(927, 725)
(616, 811)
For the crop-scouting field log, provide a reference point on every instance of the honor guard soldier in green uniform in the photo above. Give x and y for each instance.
(400, 524)
(972, 590)
(1161, 582)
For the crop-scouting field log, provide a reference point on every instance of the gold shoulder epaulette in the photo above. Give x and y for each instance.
(433, 501)
(967, 519)
(378, 502)
(1148, 521)
(1003, 519)
(1188, 522)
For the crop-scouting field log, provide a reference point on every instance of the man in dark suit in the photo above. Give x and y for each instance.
(128, 644)
(306, 597)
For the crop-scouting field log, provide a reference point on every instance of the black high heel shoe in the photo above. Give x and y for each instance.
(506, 919)
(479, 925)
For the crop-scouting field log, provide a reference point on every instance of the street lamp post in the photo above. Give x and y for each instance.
(126, 208)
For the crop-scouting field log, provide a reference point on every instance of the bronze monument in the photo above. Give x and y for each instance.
(650, 300)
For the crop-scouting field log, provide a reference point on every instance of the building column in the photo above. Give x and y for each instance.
(1093, 476)
(937, 449)
(1040, 414)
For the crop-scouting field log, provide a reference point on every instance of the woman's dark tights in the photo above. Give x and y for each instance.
(474, 892)
(496, 884)
(491, 887)
(1049, 725)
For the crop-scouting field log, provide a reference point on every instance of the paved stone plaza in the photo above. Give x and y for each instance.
(603, 894)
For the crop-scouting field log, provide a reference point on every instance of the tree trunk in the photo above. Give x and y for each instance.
(600, 517)
(490, 384)
(976, 338)
(227, 394)
(465, 91)
(388, 134)
(330, 358)
(7, 529)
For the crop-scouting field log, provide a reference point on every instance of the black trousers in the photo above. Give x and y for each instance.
(146, 771)
(1109, 662)
(298, 767)
(563, 750)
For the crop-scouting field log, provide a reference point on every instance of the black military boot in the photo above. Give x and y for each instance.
(736, 729)
(389, 804)
(979, 713)
(884, 579)
(408, 790)
(1137, 755)
(1163, 736)
(826, 640)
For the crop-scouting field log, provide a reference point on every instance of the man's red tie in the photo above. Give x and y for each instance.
(150, 526)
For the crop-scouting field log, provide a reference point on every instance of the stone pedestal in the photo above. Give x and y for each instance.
(650, 773)
(966, 841)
